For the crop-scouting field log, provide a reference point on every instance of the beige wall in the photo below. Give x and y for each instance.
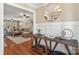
(76, 12)
(70, 12)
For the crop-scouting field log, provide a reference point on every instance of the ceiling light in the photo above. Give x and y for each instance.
(11, 19)
(59, 9)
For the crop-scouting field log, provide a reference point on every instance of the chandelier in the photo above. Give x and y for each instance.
(54, 14)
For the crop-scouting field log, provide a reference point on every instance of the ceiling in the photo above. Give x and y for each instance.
(37, 5)
(11, 12)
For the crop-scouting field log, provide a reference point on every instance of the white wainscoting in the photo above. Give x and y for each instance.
(55, 29)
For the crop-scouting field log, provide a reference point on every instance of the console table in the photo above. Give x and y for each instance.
(72, 42)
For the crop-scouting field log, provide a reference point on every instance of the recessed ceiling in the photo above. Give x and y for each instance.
(14, 12)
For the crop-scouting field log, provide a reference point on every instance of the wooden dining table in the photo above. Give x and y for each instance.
(66, 42)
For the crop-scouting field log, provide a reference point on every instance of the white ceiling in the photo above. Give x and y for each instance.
(37, 5)
(11, 12)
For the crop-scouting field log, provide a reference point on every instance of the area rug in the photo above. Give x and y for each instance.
(18, 39)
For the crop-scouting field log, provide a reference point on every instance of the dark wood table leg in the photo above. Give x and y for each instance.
(39, 41)
(55, 46)
(50, 45)
(67, 49)
(36, 43)
(46, 47)
(31, 42)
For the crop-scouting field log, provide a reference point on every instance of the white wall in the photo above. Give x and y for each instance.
(55, 29)
(1, 29)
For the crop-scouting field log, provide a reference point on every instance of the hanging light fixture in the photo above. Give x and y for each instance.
(54, 14)
(12, 20)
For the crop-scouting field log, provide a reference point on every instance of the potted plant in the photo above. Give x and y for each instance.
(39, 31)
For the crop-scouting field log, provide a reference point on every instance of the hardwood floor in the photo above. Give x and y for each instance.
(19, 49)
